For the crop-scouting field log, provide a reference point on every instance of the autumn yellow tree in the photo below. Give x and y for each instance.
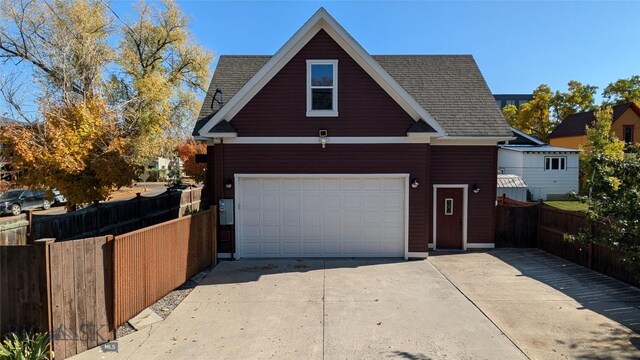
(187, 152)
(111, 94)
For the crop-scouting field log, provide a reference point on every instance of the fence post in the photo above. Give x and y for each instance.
(139, 206)
(96, 204)
(43, 247)
(538, 240)
(214, 235)
(30, 236)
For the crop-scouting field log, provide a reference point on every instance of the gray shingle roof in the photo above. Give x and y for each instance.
(449, 87)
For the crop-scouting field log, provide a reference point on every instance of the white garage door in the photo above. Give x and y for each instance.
(321, 216)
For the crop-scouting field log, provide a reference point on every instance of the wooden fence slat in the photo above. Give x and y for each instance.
(57, 300)
(68, 299)
(90, 293)
(80, 296)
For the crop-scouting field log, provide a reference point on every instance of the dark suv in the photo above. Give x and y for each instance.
(15, 201)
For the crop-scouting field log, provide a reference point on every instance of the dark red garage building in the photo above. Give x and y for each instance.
(323, 150)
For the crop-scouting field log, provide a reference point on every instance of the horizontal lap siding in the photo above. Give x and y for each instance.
(470, 165)
(364, 108)
(334, 159)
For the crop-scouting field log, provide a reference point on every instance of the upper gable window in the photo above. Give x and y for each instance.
(322, 87)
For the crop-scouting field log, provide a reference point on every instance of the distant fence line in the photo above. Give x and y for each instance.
(111, 218)
(537, 225)
(81, 290)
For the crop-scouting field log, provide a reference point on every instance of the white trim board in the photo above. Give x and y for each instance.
(321, 20)
(481, 245)
(424, 139)
(465, 204)
(236, 186)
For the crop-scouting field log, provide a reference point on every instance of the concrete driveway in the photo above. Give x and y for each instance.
(549, 307)
(500, 304)
(321, 309)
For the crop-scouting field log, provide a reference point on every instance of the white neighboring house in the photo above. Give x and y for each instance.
(550, 172)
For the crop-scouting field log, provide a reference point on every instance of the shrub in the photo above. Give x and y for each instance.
(26, 346)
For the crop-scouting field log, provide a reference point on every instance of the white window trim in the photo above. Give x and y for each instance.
(559, 163)
(323, 113)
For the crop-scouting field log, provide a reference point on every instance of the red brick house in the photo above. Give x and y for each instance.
(328, 151)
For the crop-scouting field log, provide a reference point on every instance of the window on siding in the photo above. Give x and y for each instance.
(322, 87)
(628, 134)
(448, 206)
(555, 163)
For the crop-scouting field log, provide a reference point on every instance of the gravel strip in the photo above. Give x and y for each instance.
(165, 306)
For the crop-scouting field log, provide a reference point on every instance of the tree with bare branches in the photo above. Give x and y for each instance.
(110, 94)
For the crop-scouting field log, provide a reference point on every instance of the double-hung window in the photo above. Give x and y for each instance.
(555, 163)
(322, 87)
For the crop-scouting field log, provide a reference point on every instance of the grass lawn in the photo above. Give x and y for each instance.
(568, 205)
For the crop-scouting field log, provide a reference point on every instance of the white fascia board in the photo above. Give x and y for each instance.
(226, 135)
(537, 141)
(470, 140)
(329, 140)
(320, 20)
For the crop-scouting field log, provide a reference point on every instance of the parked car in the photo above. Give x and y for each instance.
(58, 198)
(15, 201)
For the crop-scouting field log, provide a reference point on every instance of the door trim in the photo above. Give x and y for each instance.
(465, 205)
(237, 187)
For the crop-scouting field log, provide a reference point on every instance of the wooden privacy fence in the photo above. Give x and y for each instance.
(150, 263)
(80, 291)
(543, 226)
(14, 230)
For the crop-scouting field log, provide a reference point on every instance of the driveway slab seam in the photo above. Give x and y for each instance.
(324, 289)
(482, 312)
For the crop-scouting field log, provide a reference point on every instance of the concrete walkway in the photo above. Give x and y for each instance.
(549, 307)
(321, 309)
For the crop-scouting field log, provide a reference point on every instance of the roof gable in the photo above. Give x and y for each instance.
(321, 20)
(575, 124)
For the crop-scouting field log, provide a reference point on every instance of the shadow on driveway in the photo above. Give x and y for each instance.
(608, 297)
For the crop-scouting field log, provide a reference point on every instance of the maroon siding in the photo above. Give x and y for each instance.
(334, 159)
(469, 165)
(364, 108)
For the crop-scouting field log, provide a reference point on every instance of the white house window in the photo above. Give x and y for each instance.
(322, 87)
(555, 163)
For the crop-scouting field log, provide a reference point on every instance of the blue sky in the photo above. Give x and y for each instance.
(518, 45)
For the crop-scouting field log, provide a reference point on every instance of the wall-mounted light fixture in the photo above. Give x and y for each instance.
(228, 184)
(323, 137)
(415, 183)
(475, 188)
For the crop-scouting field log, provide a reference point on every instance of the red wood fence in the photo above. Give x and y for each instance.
(80, 291)
(143, 273)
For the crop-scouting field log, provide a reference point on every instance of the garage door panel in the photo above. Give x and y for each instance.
(271, 248)
(272, 232)
(271, 184)
(324, 216)
(291, 232)
(291, 201)
(291, 248)
(291, 184)
(331, 184)
(270, 202)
